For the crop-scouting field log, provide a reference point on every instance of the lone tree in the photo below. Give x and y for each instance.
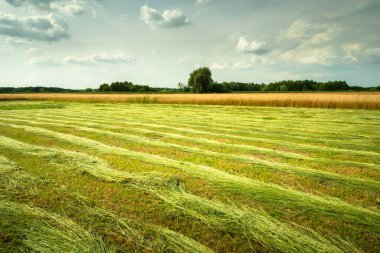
(200, 80)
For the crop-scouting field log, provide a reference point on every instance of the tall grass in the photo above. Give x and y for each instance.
(354, 100)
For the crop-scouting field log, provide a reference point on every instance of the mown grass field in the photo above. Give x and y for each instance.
(96, 177)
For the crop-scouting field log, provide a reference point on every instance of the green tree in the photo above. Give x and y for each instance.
(104, 87)
(200, 80)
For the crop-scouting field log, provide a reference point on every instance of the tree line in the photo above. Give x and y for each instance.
(200, 81)
(37, 89)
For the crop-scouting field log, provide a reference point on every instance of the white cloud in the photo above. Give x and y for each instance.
(351, 52)
(219, 66)
(67, 7)
(243, 65)
(91, 59)
(308, 56)
(40, 4)
(73, 7)
(311, 44)
(41, 28)
(246, 46)
(311, 32)
(238, 65)
(95, 58)
(169, 18)
(201, 2)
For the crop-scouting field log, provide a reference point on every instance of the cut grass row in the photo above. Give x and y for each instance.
(37, 230)
(164, 125)
(69, 241)
(216, 119)
(259, 191)
(272, 233)
(199, 140)
(336, 179)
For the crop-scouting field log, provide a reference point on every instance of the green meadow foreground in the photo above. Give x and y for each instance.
(83, 177)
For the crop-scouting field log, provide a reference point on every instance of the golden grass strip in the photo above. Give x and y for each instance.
(353, 100)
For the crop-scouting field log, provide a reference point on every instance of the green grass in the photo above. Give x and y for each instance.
(180, 178)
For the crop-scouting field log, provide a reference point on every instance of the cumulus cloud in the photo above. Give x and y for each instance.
(256, 47)
(312, 44)
(40, 28)
(169, 18)
(68, 7)
(311, 32)
(40, 4)
(99, 58)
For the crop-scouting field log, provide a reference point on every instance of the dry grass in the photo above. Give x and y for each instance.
(352, 100)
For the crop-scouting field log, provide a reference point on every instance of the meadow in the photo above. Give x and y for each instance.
(152, 177)
(348, 100)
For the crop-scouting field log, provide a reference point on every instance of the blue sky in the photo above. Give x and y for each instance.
(82, 43)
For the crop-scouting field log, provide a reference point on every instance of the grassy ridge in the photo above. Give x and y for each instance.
(244, 187)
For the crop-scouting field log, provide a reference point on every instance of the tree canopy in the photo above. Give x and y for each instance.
(200, 80)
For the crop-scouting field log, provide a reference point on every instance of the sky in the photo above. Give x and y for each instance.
(83, 43)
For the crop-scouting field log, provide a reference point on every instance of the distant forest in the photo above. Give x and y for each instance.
(214, 87)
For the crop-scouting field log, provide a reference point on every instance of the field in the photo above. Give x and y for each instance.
(134, 177)
(350, 100)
